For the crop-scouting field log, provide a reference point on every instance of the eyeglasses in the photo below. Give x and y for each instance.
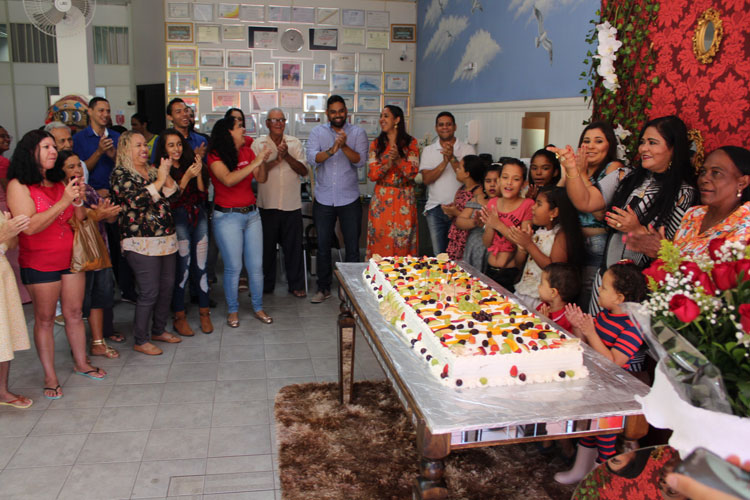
(277, 120)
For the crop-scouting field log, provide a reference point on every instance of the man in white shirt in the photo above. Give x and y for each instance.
(440, 180)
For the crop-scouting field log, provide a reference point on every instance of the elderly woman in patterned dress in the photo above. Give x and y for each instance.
(392, 164)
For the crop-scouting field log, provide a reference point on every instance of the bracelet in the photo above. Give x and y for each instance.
(573, 177)
(79, 205)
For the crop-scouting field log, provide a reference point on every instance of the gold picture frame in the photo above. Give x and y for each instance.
(707, 36)
(178, 32)
(695, 138)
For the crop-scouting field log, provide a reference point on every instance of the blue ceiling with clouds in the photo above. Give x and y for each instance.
(472, 51)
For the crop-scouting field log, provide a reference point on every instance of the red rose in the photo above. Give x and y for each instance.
(724, 275)
(656, 271)
(700, 277)
(742, 266)
(684, 308)
(714, 246)
(744, 311)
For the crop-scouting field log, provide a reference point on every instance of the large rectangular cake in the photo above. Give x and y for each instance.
(469, 334)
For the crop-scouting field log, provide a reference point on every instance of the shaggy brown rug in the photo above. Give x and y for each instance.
(367, 450)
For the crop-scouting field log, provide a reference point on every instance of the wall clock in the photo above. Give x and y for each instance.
(292, 41)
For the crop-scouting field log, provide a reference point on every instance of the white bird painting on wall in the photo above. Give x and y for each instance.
(434, 12)
(480, 50)
(446, 34)
(542, 39)
(476, 5)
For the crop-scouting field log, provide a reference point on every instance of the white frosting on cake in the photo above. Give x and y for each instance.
(469, 334)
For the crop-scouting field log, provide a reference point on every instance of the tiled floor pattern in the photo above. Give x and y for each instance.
(195, 422)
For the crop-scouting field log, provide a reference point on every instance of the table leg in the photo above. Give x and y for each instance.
(347, 330)
(432, 449)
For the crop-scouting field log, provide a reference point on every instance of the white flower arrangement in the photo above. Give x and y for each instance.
(621, 133)
(607, 50)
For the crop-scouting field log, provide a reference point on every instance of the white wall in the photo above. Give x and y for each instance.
(503, 120)
(147, 41)
(23, 94)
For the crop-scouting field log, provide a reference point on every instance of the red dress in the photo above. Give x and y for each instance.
(392, 222)
(50, 249)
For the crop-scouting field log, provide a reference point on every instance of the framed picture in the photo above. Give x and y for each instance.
(349, 101)
(370, 62)
(207, 33)
(182, 82)
(232, 32)
(178, 32)
(213, 58)
(253, 13)
(404, 33)
(353, 36)
(279, 14)
(377, 39)
(303, 15)
(305, 122)
(324, 39)
(290, 99)
(370, 82)
(402, 101)
(368, 103)
(212, 80)
(181, 57)
(343, 62)
(314, 102)
(326, 16)
(178, 10)
(208, 120)
(319, 73)
(191, 101)
(352, 17)
(252, 121)
(397, 82)
(222, 101)
(290, 74)
(203, 12)
(263, 101)
(370, 123)
(262, 37)
(377, 18)
(239, 59)
(239, 80)
(343, 82)
(265, 76)
(229, 11)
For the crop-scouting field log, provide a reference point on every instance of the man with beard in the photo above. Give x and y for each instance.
(179, 114)
(336, 150)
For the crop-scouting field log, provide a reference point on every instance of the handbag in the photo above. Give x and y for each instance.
(89, 251)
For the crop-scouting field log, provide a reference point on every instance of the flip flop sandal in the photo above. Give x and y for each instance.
(18, 403)
(88, 374)
(117, 338)
(54, 389)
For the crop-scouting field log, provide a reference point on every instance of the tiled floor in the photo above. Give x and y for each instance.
(195, 422)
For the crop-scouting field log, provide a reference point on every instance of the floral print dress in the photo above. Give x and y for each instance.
(457, 237)
(392, 221)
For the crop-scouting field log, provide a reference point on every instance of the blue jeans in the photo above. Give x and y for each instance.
(438, 224)
(240, 236)
(350, 218)
(192, 243)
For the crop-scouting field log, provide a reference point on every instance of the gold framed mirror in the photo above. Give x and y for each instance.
(707, 36)
(696, 146)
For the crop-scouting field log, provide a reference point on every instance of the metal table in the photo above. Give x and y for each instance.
(448, 418)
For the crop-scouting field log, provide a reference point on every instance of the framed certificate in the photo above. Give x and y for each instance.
(319, 73)
(178, 32)
(208, 120)
(212, 80)
(178, 10)
(207, 33)
(324, 39)
(253, 13)
(370, 62)
(203, 12)
(211, 57)
(182, 82)
(402, 101)
(343, 62)
(343, 82)
(263, 101)
(304, 15)
(353, 36)
(326, 16)
(369, 122)
(377, 39)
(368, 103)
(229, 11)
(181, 57)
(251, 123)
(290, 74)
(232, 32)
(265, 76)
(262, 37)
(397, 82)
(239, 80)
(305, 122)
(404, 33)
(290, 99)
(279, 14)
(352, 17)
(239, 59)
(349, 101)
(222, 101)
(377, 18)
(370, 82)
(315, 102)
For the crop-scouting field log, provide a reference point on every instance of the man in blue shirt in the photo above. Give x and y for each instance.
(177, 111)
(336, 150)
(96, 145)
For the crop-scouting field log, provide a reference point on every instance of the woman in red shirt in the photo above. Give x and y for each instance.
(46, 247)
(236, 221)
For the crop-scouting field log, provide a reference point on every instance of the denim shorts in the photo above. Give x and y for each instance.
(100, 291)
(31, 276)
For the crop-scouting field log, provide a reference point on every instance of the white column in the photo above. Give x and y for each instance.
(75, 58)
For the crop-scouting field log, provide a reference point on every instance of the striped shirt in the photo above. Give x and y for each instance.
(617, 332)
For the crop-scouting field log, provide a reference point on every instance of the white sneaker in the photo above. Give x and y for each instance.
(60, 320)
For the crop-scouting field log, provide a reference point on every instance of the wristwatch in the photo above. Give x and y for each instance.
(328, 152)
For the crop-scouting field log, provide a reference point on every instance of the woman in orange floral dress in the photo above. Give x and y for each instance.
(392, 164)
